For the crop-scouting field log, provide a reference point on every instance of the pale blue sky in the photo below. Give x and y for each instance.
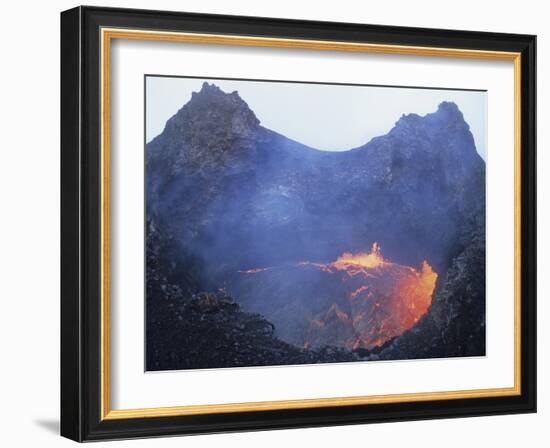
(326, 117)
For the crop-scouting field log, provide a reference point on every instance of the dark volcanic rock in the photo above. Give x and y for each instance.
(194, 330)
(208, 330)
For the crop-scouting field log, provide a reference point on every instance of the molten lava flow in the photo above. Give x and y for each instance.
(358, 291)
(352, 264)
(416, 295)
(348, 261)
(384, 299)
(360, 300)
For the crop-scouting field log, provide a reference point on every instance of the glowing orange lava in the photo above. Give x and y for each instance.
(414, 295)
(385, 299)
(352, 264)
(378, 299)
(369, 260)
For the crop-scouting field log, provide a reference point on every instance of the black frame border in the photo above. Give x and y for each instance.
(81, 223)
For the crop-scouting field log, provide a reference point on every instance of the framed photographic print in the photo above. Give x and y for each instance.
(272, 223)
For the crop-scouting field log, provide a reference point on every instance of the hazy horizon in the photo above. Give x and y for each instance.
(338, 117)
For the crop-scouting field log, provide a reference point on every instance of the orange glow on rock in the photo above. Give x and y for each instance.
(369, 260)
(380, 300)
(385, 299)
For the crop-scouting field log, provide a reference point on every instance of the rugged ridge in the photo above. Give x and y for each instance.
(301, 200)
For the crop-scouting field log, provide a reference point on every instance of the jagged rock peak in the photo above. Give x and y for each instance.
(215, 98)
(449, 106)
(447, 115)
(212, 91)
(450, 110)
(211, 106)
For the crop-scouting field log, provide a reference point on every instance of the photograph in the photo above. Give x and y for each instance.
(303, 223)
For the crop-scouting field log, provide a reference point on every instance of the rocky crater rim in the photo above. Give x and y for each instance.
(210, 103)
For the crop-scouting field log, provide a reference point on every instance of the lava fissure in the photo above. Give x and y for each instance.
(373, 301)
